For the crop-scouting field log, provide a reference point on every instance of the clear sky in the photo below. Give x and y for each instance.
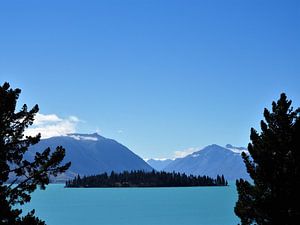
(157, 76)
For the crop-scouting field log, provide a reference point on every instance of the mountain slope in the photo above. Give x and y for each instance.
(211, 161)
(93, 154)
(159, 164)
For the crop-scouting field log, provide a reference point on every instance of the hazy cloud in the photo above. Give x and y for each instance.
(98, 130)
(185, 152)
(74, 119)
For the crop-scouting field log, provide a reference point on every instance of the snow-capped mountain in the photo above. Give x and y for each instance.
(92, 154)
(159, 164)
(211, 161)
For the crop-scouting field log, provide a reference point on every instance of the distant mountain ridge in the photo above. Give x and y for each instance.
(92, 154)
(159, 164)
(212, 160)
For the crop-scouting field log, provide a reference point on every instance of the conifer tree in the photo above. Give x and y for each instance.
(274, 165)
(19, 177)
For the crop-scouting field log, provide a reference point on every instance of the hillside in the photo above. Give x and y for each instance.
(92, 154)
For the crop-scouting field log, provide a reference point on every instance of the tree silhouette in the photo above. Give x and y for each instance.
(19, 177)
(140, 178)
(273, 164)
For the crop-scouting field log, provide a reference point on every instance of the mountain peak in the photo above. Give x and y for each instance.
(92, 154)
(212, 160)
(211, 148)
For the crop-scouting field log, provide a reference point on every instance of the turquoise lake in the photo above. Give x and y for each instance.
(135, 206)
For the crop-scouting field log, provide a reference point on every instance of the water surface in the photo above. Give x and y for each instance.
(135, 206)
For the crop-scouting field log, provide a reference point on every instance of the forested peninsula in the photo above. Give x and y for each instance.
(144, 179)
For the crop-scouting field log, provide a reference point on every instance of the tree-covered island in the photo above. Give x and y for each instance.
(144, 179)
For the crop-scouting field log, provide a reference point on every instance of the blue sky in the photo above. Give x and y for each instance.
(158, 76)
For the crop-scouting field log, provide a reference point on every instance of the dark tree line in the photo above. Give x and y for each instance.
(24, 176)
(273, 197)
(145, 179)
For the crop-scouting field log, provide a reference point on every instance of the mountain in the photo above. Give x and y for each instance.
(92, 154)
(211, 161)
(159, 164)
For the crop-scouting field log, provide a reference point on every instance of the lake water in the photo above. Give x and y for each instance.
(135, 206)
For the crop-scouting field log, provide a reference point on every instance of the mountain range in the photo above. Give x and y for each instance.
(212, 160)
(92, 154)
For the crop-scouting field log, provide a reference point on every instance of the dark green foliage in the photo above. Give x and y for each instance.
(145, 179)
(19, 177)
(274, 196)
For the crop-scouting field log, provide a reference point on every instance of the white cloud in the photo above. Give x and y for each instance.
(84, 138)
(120, 131)
(42, 119)
(51, 125)
(185, 152)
